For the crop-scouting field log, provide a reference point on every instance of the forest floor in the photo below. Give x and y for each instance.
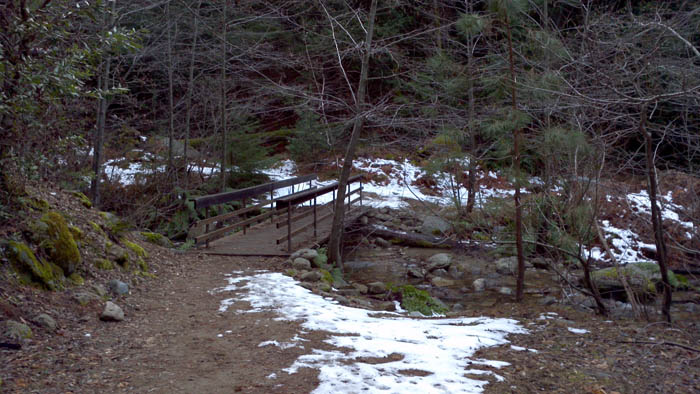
(174, 339)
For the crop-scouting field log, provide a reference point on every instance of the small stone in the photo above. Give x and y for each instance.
(376, 288)
(388, 306)
(381, 242)
(46, 321)
(99, 289)
(83, 298)
(440, 272)
(415, 272)
(507, 265)
(439, 261)
(353, 292)
(479, 285)
(457, 307)
(307, 285)
(118, 287)
(311, 276)
(455, 272)
(506, 291)
(306, 253)
(416, 314)
(548, 300)
(323, 286)
(360, 287)
(112, 312)
(15, 330)
(301, 263)
(342, 300)
(439, 281)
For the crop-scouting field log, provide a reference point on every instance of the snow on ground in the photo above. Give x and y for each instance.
(441, 347)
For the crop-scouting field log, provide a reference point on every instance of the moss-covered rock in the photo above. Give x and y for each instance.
(60, 244)
(157, 239)
(76, 232)
(16, 330)
(76, 279)
(30, 269)
(83, 199)
(134, 247)
(644, 279)
(97, 228)
(113, 224)
(118, 255)
(103, 264)
(415, 300)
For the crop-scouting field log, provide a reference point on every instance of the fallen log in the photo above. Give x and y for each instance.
(409, 239)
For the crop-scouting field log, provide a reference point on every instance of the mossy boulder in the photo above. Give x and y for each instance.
(118, 254)
(415, 300)
(60, 244)
(113, 224)
(30, 269)
(644, 279)
(157, 239)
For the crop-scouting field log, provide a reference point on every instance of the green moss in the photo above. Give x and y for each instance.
(291, 272)
(38, 204)
(157, 239)
(413, 299)
(113, 224)
(83, 199)
(321, 259)
(76, 232)
(97, 228)
(76, 279)
(326, 276)
(30, 269)
(103, 264)
(60, 245)
(136, 248)
(143, 265)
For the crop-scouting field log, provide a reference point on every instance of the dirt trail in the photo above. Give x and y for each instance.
(174, 340)
(168, 342)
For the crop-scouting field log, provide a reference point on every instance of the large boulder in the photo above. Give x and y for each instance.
(301, 264)
(434, 225)
(507, 265)
(376, 288)
(644, 279)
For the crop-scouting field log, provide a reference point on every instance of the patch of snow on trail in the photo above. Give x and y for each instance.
(441, 347)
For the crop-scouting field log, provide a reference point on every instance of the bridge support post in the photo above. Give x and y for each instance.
(314, 217)
(289, 227)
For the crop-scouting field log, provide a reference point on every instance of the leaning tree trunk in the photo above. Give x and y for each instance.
(657, 224)
(334, 242)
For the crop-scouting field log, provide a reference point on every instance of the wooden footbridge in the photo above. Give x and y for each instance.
(274, 219)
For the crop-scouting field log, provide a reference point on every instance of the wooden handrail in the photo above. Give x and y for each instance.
(253, 191)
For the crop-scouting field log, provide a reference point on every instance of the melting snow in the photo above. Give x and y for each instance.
(577, 330)
(440, 347)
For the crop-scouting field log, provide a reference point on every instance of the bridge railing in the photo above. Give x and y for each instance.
(288, 205)
(218, 226)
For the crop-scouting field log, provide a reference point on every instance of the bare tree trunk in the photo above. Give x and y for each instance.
(98, 140)
(190, 88)
(520, 285)
(471, 176)
(656, 222)
(171, 105)
(334, 243)
(223, 97)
